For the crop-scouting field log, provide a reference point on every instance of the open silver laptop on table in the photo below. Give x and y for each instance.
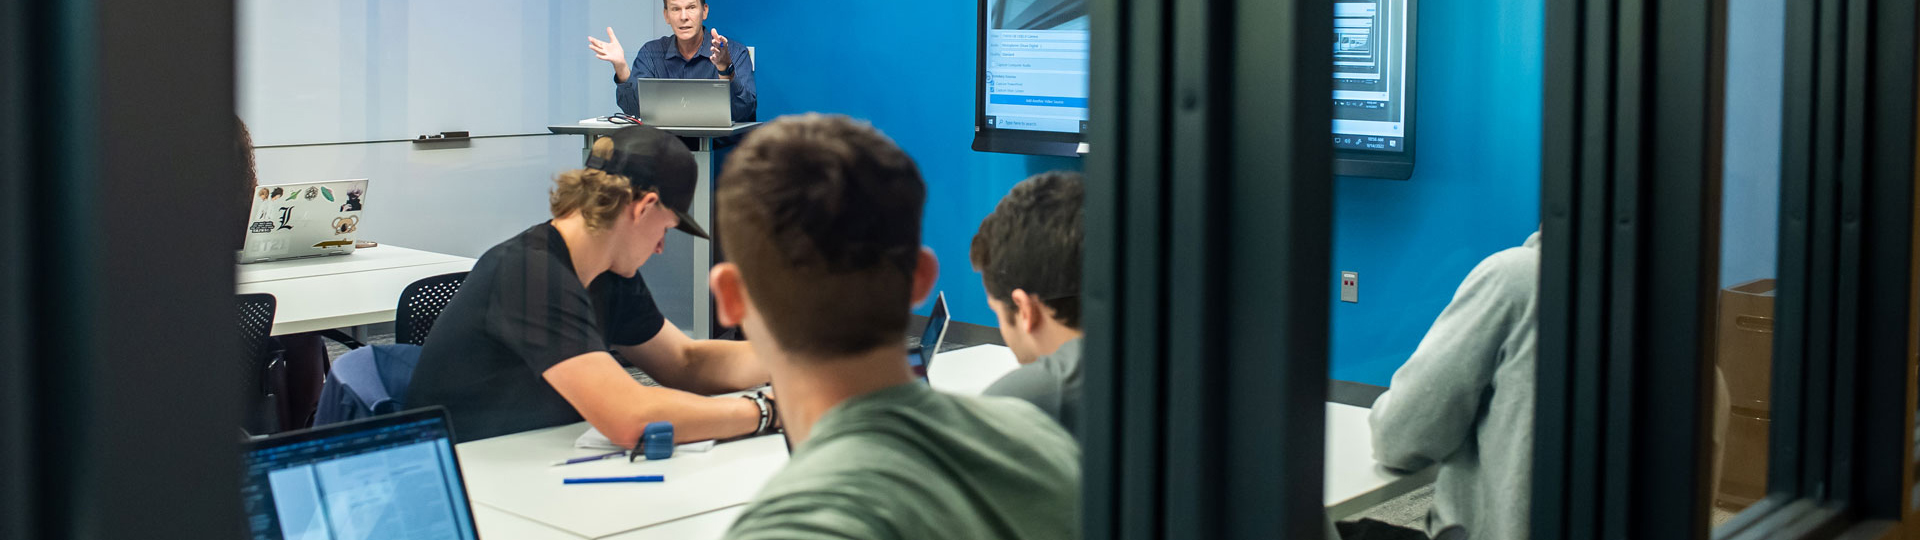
(307, 219)
(685, 102)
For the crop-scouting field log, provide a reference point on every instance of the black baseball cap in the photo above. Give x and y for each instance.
(652, 159)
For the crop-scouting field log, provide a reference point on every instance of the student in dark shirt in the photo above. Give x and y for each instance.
(525, 344)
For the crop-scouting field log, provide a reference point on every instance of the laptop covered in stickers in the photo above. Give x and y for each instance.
(306, 219)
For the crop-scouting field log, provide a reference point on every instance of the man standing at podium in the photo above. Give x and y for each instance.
(692, 52)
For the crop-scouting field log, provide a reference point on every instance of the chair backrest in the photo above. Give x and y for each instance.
(258, 352)
(256, 343)
(420, 305)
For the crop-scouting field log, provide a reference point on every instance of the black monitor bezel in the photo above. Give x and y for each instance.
(1009, 141)
(1379, 163)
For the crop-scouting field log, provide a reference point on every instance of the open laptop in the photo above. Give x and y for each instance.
(685, 102)
(920, 355)
(386, 477)
(308, 219)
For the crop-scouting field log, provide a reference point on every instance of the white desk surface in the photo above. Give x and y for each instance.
(496, 524)
(343, 290)
(514, 474)
(704, 492)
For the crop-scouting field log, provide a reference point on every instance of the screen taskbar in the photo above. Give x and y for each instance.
(1368, 142)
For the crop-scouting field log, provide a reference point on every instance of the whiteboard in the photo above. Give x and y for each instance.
(342, 71)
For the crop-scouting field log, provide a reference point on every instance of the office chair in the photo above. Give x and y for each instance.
(421, 304)
(261, 365)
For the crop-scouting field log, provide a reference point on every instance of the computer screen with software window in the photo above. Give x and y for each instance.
(390, 477)
(1373, 87)
(1032, 82)
(1032, 76)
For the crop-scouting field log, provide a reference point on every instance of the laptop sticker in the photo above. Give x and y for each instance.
(286, 214)
(345, 224)
(276, 193)
(313, 193)
(333, 243)
(260, 227)
(328, 193)
(263, 194)
(353, 201)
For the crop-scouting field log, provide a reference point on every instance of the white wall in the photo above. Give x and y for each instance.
(362, 71)
(358, 70)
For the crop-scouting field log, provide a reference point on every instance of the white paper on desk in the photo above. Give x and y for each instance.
(593, 439)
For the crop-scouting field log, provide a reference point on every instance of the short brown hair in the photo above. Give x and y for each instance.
(822, 215)
(1032, 241)
(598, 195)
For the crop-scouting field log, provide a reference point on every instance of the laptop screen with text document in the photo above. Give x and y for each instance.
(389, 477)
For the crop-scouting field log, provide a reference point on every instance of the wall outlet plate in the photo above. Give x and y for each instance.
(1350, 287)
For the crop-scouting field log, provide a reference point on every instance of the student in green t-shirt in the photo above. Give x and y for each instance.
(820, 219)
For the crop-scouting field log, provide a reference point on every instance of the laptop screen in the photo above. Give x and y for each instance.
(393, 476)
(930, 338)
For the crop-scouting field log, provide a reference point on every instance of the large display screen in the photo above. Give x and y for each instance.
(1372, 88)
(1032, 76)
(1033, 81)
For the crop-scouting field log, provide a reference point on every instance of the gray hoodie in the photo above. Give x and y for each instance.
(1465, 400)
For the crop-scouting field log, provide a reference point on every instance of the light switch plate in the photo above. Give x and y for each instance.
(1350, 287)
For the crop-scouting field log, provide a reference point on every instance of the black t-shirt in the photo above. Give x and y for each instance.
(522, 310)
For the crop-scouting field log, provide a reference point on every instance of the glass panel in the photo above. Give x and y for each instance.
(1749, 241)
(1435, 276)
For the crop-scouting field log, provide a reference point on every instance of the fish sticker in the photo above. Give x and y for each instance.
(334, 243)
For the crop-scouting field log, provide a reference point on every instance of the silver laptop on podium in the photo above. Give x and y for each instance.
(685, 102)
(307, 219)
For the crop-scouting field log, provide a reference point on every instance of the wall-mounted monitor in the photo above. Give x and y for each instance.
(1373, 88)
(1031, 85)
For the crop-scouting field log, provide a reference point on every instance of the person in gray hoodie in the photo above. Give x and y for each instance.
(1464, 401)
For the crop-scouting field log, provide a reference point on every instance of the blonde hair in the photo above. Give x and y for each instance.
(598, 196)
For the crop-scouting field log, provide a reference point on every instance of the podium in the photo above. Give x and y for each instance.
(709, 146)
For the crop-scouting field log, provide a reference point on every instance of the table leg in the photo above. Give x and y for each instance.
(702, 249)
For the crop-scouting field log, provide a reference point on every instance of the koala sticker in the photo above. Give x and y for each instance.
(345, 224)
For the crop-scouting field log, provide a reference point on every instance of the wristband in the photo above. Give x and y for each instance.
(766, 413)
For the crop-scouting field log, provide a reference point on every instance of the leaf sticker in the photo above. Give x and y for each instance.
(294, 195)
(328, 193)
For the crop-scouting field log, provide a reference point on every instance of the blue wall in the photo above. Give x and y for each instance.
(1475, 188)
(1750, 181)
(908, 67)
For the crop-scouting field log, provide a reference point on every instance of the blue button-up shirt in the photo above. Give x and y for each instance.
(660, 59)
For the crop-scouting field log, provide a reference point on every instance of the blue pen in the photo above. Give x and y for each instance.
(608, 455)
(613, 479)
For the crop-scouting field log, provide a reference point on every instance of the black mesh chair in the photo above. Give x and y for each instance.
(420, 305)
(260, 363)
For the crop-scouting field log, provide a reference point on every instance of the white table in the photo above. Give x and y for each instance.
(513, 474)
(1354, 482)
(342, 291)
(704, 492)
